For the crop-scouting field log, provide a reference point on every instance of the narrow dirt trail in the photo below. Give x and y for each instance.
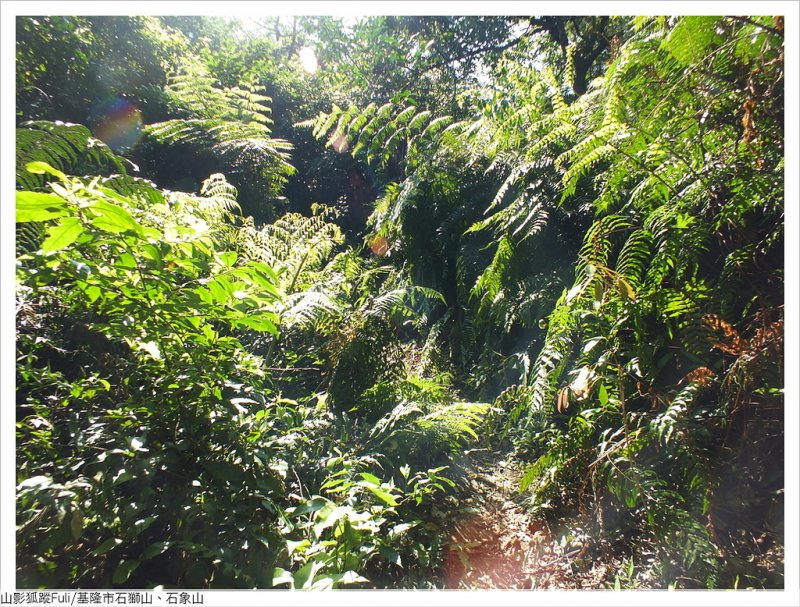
(496, 544)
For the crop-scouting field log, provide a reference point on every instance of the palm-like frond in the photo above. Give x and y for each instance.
(295, 245)
(67, 147)
(231, 123)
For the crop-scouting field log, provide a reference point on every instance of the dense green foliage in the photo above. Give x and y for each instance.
(572, 248)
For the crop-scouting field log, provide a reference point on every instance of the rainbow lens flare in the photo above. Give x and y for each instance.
(118, 123)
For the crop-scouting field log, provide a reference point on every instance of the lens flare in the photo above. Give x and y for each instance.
(339, 143)
(308, 59)
(118, 123)
(379, 246)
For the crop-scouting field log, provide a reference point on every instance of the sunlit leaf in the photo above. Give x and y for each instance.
(40, 168)
(281, 576)
(383, 495)
(370, 478)
(113, 218)
(36, 206)
(625, 288)
(258, 323)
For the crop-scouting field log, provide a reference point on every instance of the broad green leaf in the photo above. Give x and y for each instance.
(36, 206)
(312, 505)
(281, 576)
(244, 401)
(222, 288)
(602, 395)
(337, 485)
(228, 258)
(38, 167)
(258, 323)
(124, 570)
(39, 482)
(401, 528)
(143, 523)
(304, 577)
(151, 348)
(76, 524)
(329, 516)
(327, 582)
(154, 550)
(370, 478)
(589, 346)
(225, 471)
(107, 546)
(121, 476)
(172, 234)
(63, 234)
(153, 253)
(255, 277)
(383, 495)
(137, 444)
(350, 577)
(625, 289)
(93, 292)
(297, 546)
(263, 268)
(204, 295)
(126, 260)
(390, 555)
(113, 218)
(218, 290)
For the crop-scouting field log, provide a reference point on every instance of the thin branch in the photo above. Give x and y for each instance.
(478, 51)
(766, 28)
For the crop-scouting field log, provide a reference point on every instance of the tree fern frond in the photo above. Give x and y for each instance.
(295, 245)
(192, 89)
(548, 368)
(400, 301)
(490, 281)
(134, 187)
(29, 237)
(435, 126)
(397, 419)
(306, 308)
(555, 91)
(404, 116)
(324, 125)
(63, 146)
(226, 138)
(217, 191)
(600, 238)
(635, 256)
(458, 422)
(419, 121)
(361, 119)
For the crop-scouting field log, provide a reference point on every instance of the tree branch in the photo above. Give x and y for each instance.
(766, 28)
(478, 51)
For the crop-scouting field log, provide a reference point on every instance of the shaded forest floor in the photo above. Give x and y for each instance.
(495, 543)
